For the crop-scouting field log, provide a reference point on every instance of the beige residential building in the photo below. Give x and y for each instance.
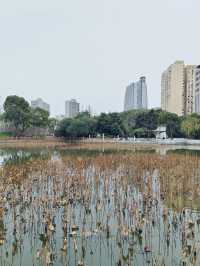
(178, 89)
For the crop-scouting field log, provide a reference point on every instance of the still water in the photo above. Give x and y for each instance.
(92, 207)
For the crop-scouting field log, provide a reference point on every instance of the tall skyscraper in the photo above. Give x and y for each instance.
(39, 103)
(72, 108)
(197, 90)
(136, 95)
(178, 88)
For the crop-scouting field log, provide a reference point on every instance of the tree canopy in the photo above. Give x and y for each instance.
(21, 116)
(139, 123)
(17, 112)
(191, 126)
(39, 117)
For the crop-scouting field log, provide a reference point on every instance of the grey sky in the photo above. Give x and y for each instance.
(91, 49)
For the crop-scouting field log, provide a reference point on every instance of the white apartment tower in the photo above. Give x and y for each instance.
(136, 95)
(71, 108)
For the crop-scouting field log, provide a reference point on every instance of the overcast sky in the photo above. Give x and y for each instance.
(92, 49)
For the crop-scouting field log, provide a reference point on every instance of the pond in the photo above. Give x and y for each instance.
(99, 207)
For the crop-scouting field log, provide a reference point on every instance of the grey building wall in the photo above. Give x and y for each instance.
(136, 95)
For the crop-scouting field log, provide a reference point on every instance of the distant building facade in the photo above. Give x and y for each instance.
(190, 88)
(172, 89)
(136, 95)
(39, 103)
(72, 108)
(178, 88)
(197, 90)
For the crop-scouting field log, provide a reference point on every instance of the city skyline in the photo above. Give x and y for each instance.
(187, 68)
(89, 51)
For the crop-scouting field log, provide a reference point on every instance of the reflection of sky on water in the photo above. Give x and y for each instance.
(3, 158)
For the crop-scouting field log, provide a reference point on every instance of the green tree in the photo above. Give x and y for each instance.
(52, 125)
(62, 128)
(190, 126)
(110, 124)
(140, 122)
(78, 129)
(172, 122)
(81, 126)
(139, 132)
(147, 119)
(18, 113)
(39, 118)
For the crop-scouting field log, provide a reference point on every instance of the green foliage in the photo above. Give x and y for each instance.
(190, 126)
(17, 112)
(172, 123)
(62, 128)
(21, 116)
(52, 125)
(1, 117)
(111, 125)
(139, 123)
(140, 132)
(39, 118)
(5, 135)
(81, 126)
(147, 120)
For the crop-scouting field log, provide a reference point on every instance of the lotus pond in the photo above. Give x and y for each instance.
(82, 207)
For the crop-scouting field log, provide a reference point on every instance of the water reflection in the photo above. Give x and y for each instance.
(85, 207)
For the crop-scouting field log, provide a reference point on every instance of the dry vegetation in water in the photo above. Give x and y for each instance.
(28, 143)
(104, 209)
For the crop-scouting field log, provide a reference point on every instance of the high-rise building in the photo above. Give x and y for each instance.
(178, 88)
(190, 87)
(71, 108)
(136, 95)
(39, 103)
(197, 90)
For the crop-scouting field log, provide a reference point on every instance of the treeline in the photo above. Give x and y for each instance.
(19, 115)
(138, 123)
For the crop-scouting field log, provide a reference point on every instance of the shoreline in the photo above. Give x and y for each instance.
(53, 143)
